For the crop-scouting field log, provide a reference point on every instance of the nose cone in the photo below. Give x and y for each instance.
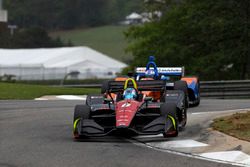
(125, 112)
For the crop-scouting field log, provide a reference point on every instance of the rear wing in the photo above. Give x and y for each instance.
(168, 71)
(151, 85)
(147, 85)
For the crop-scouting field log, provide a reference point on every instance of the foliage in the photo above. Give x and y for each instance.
(67, 14)
(210, 38)
(29, 38)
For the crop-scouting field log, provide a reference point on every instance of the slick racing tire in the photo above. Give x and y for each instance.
(198, 98)
(191, 93)
(94, 99)
(169, 109)
(198, 101)
(81, 112)
(105, 87)
(182, 85)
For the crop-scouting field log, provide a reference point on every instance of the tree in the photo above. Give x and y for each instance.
(29, 38)
(210, 38)
(68, 14)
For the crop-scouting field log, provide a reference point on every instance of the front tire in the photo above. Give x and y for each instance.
(169, 110)
(81, 112)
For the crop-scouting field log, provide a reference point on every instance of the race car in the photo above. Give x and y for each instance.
(171, 74)
(131, 112)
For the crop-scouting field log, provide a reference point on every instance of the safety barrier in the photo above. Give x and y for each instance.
(225, 89)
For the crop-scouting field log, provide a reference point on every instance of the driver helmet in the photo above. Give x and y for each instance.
(165, 78)
(129, 93)
(150, 73)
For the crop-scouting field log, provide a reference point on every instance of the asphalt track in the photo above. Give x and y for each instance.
(39, 133)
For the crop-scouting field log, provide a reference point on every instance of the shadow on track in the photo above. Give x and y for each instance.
(106, 139)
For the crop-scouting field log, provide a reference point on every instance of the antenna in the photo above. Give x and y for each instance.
(1, 4)
(3, 13)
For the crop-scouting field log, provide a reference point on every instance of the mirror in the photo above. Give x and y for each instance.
(107, 100)
(148, 99)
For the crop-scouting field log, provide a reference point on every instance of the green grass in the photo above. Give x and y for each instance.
(24, 91)
(109, 40)
(237, 125)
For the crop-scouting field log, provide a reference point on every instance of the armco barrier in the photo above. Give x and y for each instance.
(225, 89)
(209, 89)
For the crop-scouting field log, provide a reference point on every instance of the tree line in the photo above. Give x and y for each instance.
(34, 37)
(67, 14)
(210, 38)
(35, 17)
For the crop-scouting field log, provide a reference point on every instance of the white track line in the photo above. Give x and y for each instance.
(62, 97)
(224, 111)
(40, 98)
(71, 97)
(237, 158)
(231, 156)
(177, 144)
(197, 156)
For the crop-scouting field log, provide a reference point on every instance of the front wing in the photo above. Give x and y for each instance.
(149, 124)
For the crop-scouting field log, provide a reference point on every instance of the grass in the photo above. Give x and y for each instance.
(24, 91)
(109, 40)
(237, 125)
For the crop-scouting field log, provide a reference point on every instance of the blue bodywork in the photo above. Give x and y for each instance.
(165, 73)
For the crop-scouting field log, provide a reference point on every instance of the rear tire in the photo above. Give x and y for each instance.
(168, 109)
(119, 96)
(98, 99)
(183, 121)
(199, 94)
(182, 85)
(105, 87)
(197, 103)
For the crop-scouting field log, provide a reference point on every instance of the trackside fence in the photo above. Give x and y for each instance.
(234, 89)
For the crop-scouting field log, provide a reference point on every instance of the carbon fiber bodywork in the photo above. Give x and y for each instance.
(148, 118)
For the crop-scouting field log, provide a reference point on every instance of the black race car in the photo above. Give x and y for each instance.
(126, 108)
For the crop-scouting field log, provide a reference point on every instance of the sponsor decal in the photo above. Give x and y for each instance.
(123, 116)
(126, 105)
(161, 69)
(96, 97)
(169, 84)
(122, 120)
(169, 70)
(175, 94)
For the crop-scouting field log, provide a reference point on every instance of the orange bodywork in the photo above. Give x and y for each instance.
(113, 95)
(121, 78)
(189, 80)
(154, 94)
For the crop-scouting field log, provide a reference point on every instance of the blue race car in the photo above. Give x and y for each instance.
(175, 79)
